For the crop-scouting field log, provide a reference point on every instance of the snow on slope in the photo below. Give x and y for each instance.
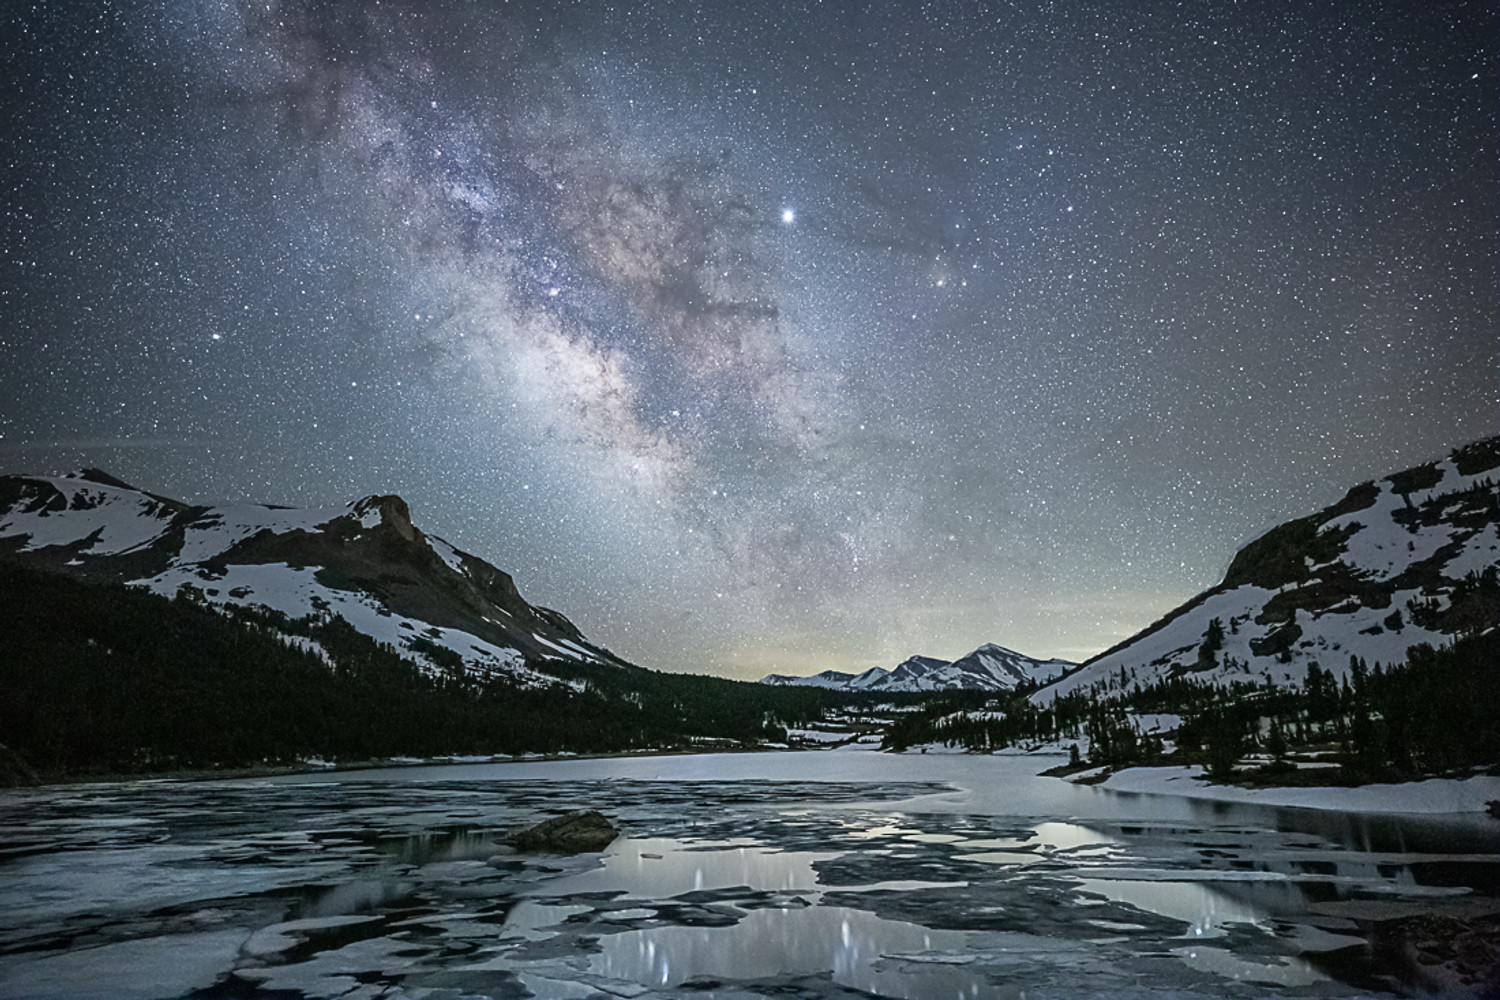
(221, 527)
(988, 668)
(295, 592)
(1380, 546)
(109, 519)
(1173, 650)
(1481, 551)
(114, 520)
(831, 679)
(1006, 664)
(363, 561)
(447, 553)
(1339, 584)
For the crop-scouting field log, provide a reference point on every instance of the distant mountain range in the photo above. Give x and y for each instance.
(988, 668)
(365, 562)
(1408, 559)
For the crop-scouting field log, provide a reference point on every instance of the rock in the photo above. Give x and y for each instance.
(571, 833)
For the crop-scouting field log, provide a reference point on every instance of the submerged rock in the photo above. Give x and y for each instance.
(570, 833)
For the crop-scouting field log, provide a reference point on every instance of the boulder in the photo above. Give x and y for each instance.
(570, 833)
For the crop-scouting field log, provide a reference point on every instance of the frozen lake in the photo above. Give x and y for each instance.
(802, 875)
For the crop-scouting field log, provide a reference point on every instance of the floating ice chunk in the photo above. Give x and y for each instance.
(1278, 969)
(277, 938)
(931, 957)
(145, 969)
(550, 988)
(334, 972)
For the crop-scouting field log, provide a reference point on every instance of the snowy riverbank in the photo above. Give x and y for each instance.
(1436, 795)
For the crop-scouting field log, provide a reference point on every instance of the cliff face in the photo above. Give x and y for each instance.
(366, 562)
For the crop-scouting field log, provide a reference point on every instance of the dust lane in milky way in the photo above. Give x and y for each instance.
(782, 339)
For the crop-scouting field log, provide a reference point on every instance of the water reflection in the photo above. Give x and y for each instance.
(1205, 909)
(859, 949)
(1049, 837)
(749, 874)
(738, 910)
(659, 868)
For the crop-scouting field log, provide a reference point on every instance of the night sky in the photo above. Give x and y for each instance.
(761, 336)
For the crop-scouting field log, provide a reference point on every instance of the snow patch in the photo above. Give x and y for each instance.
(214, 532)
(295, 592)
(1479, 553)
(450, 556)
(1435, 795)
(571, 654)
(118, 520)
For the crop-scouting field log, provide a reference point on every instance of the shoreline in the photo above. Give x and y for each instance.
(186, 775)
(1429, 796)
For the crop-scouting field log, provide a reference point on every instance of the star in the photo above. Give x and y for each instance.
(571, 309)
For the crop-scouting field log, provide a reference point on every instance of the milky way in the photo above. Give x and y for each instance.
(813, 335)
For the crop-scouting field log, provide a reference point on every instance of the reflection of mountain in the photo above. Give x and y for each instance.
(1408, 559)
(365, 562)
(988, 668)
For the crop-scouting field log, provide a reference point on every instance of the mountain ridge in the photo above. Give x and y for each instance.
(1371, 576)
(989, 668)
(365, 561)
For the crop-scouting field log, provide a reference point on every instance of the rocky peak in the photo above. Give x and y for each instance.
(389, 510)
(365, 560)
(101, 477)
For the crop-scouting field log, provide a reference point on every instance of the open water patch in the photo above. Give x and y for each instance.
(396, 889)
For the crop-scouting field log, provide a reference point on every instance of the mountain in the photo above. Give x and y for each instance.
(365, 562)
(1401, 561)
(988, 668)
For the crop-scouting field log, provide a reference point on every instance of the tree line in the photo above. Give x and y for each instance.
(104, 678)
(1431, 714)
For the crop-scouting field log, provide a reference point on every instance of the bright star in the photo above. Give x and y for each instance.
(788, 216)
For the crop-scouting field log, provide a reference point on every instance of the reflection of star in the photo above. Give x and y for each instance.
(788, 216)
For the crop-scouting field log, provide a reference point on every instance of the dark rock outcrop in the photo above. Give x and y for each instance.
(571, 833)
(96, 527)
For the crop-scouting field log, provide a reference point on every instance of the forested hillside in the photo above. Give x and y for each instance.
(1433, 714)
(102, 678)
(1367, 634)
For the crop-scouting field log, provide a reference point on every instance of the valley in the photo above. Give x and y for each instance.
(1278, 789)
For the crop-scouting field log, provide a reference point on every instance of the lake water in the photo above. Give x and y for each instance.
(805, 875)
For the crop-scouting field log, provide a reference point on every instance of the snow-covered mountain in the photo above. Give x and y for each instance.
(988, 668)
(365, 562)
(1408, 559)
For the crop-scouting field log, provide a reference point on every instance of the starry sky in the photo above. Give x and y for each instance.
(761, 337)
